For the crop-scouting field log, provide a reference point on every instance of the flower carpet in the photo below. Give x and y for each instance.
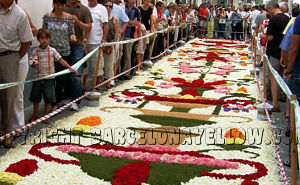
(190, 119)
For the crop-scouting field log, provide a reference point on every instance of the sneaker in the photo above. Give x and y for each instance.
(112, 83)
(147, 63)
(47, 121)
(287, 162)
(275, 108)
(74, 107)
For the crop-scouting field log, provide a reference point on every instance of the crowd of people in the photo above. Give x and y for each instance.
(71, 30)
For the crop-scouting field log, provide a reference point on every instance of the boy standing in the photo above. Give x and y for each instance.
(42, 60)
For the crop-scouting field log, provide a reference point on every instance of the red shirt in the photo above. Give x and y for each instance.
(159, 14)
(204, 12)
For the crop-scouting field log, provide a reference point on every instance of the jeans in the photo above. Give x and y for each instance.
(76, 54)
(294, 85)
(221, 28)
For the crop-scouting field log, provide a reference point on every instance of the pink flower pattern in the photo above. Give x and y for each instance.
(152, 157)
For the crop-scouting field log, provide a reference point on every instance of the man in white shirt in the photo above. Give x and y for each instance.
(284, 7)
(253, 16)
(15, 38)
(97, 36)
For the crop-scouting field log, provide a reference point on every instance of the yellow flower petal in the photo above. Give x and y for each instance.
(10, 178)
(83, 128)
(187, 96)
(237, 141)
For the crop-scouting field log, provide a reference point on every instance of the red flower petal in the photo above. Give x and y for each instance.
(190, 91)
(132, 174)
(23, 168)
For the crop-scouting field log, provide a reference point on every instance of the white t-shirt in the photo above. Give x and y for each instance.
(155, 12)
(100, 16)
(253, 16)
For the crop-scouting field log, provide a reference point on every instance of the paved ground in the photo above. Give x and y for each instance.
(278, 121)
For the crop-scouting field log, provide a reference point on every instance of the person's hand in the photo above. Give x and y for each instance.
(84, 45)
(288, 76)
(73, 38)
(138, 23)
(74, 17)
(261, 35)
(281, 62)
(73, 70)
(33, 61)
(136, 46)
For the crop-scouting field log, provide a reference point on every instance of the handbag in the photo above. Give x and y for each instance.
(263, 42)
(222, 21)
(107, 50)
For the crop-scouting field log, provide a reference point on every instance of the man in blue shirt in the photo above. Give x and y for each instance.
(134, 20)
(123, 19)
(293, 65)
(237, 26)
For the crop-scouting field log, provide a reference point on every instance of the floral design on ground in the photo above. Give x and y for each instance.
(16, 171)
(85, 124)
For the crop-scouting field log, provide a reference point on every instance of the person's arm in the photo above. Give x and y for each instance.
(293, 53)
(33, 28)
(283, 58)
(86, 37)
(82, 25)
(152, 22)
(105, 31)
(66, 65)
(116, 29)
(24, 48)
(123, 28)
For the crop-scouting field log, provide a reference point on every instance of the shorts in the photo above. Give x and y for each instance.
(45, 88)
(140, 49)
(203, 24)
(275, 63)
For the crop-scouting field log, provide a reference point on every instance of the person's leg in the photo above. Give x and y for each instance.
(35, 98)
(48, 93)
(127, 58)
(274, 86)
(109, 66)
(91, 67)
(239, 30)
(35, 111)
(9, 66)
(77, 53)
(139, 61)
(222, 31)
(19, 103)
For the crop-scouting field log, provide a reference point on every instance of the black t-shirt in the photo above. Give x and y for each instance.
(145, 15)
(276, 26)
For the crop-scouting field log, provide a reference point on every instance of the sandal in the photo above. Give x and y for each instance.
(8, 143)
(33, 118)
(276, 109)
(47, 121)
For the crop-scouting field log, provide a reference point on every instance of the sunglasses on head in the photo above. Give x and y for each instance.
(108, 6)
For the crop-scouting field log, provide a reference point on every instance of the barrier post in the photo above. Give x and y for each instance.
(181, 28)
(265, 76)
(152, 47)
(168, 38)
(97, 68)
(255, 49)
(294, 152)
